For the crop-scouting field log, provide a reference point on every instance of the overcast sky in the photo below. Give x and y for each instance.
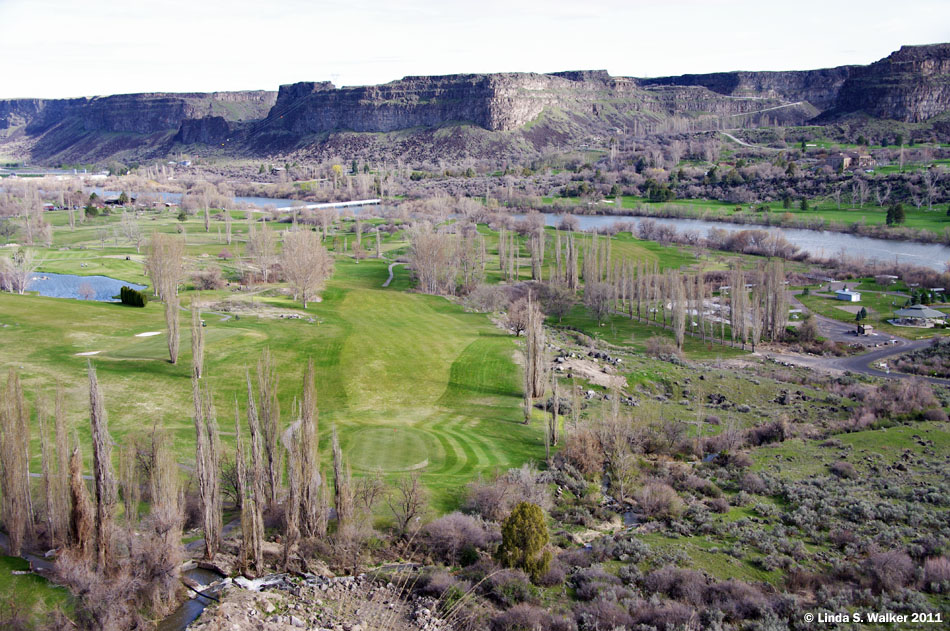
(59, 48)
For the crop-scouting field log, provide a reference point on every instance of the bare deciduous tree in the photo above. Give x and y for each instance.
(313, 512)
(81, 524)
(679, 310)
(14, 465)
(131, 230)
(207, 467)
(305, 263)
(252, 518)
(261, 247)
(103, 473)
(408, 502)
(342, 484)
(18, 269)
(160, 557)
(197, 340)
(267, 381)
(534, 350)
(165, 263)
(432, 259)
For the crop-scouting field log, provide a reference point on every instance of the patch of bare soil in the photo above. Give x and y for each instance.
(249, 308)
(593, 373)
(344, 604)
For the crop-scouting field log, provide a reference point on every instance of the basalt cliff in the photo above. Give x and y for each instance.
(471, 114)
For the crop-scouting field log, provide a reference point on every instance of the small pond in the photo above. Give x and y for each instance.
(100, 288)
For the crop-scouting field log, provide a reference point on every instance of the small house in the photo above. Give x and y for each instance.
(865, 329)
(839, 161)
(848, 296)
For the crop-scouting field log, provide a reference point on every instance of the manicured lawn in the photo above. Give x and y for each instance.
(880, 307)
(30, 595)
(406, 378)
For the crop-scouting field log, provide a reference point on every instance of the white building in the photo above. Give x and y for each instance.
(847, 295)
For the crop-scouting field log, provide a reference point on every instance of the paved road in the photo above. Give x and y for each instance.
(745, 144)
(769, 109)
(865, 363)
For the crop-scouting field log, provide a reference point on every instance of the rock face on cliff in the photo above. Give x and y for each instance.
(817, 87)
(92, 128)
(209, 130)
(912, 85)
(496, 102)
(459, 115)
(503, 102)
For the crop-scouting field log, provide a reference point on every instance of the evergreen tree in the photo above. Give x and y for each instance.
(524, 534)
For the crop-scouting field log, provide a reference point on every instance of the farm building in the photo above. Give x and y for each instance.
(848, 296)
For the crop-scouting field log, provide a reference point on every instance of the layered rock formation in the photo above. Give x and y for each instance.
(817, 87)
(95, 127)
(524, 109)
(912, 85)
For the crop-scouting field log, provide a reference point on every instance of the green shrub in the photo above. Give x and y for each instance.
(524, 535)
(132, 297)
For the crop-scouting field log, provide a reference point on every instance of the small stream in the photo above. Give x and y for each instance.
(179, 620)
(189, 610)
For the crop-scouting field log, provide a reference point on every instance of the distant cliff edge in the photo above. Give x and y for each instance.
(911, 85)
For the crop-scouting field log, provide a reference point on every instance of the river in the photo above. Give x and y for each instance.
(817, 243)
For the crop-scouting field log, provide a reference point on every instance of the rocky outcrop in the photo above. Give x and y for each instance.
(94, 128)
(471, 114)
(18, 112)
(500, 102)
(209, 130)
(817, 87)
(912, 85)
(497, 102)
(147, 113)
(348, 603)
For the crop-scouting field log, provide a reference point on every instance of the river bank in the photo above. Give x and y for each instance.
(749, 216)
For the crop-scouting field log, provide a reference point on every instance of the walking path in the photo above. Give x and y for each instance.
(390, 279)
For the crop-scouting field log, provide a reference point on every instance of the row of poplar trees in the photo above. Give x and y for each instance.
(107, 555)
(754, 305)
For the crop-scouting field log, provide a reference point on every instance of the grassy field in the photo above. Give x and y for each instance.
(880, 307)
(620, 330)
(30, 596)
(412, 382)
(408, 379)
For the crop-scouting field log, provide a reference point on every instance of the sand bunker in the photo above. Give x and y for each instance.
(148, 334)
(88, 353)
